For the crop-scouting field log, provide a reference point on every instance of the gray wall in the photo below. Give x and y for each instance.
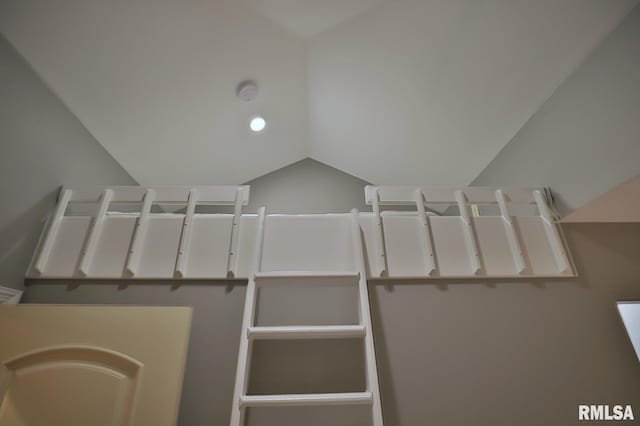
(453, 352)
(42, 147)
(585, 139)
(307, 186)
(493, 353)
(513, 353)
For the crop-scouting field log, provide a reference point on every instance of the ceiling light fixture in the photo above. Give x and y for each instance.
(257, 124)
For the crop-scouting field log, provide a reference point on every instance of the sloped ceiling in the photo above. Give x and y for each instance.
(430, 91)
(310, 17)
(621, 204)
(409, 91)
(154, 81)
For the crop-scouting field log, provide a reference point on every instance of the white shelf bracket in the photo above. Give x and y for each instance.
(472, 246)
(381, 252)
(52, 232)
(425, 233)
(512, 238)
(232, 261)
(94, 233)
(139, 233)
(551, 230)
(185, 236)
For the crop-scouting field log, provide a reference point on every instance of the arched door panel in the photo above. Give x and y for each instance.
(91, 366)
(55, 382)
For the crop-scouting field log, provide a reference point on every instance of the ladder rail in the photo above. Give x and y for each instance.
(248, 319)
(365, 320)
(232, 260)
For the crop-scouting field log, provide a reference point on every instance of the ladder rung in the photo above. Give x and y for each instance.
(352, 398)
(306, 332)
(308, 274)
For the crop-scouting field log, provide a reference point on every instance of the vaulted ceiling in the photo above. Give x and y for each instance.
(310, 17)
(403, 91)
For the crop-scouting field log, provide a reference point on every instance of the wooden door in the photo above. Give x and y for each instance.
(91, 365)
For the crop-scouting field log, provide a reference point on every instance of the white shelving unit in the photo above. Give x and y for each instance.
(489, 237)
(115, 242)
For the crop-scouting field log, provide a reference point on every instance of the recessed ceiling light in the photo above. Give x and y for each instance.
(257, 124)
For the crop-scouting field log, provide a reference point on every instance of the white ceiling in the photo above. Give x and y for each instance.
(409, 91)
(154, 81)
(429, 91)
(310, 17)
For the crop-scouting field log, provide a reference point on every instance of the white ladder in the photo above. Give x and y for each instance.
(250, 332)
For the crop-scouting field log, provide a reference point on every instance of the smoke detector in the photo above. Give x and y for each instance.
(247, 90)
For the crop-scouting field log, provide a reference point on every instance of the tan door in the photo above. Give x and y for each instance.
(91, 365)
